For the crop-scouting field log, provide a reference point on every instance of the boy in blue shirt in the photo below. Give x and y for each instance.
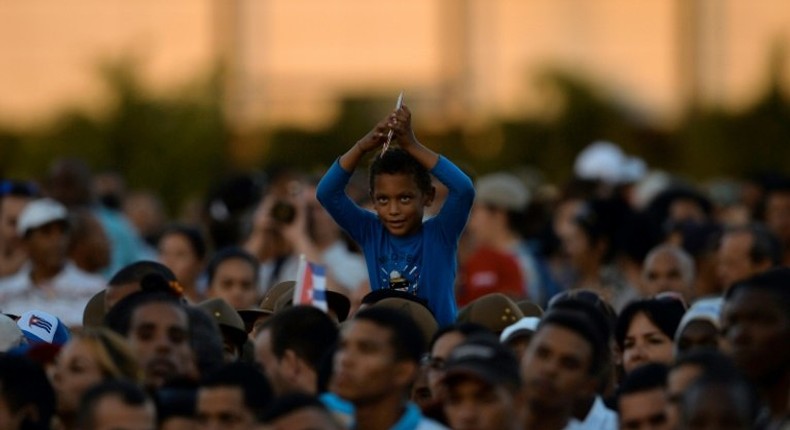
(401, 251)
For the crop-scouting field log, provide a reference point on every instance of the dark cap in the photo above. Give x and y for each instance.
(93, 315)
(484, 359)
(226, 317)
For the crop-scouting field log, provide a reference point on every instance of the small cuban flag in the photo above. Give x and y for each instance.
(310, 285)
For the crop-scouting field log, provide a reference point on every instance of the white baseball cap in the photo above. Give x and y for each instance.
(39, 213)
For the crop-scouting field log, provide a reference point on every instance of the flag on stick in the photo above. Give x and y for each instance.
(310, 285)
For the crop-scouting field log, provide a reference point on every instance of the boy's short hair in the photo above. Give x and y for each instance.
(651, 376)
(397, 161)
(306, 330)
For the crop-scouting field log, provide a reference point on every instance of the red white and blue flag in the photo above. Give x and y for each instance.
(310, 285)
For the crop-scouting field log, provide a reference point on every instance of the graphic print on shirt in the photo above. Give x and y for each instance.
(399, 272)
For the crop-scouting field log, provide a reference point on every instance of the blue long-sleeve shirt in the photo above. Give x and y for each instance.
(426, 261)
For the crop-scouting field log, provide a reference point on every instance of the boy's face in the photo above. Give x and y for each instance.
(399, 202)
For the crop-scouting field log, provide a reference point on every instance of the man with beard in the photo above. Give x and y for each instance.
(756, 326)
(156, 325)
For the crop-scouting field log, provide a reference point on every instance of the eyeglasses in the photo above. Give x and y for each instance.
(433, 363)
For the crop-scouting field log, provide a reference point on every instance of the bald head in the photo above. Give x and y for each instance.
(668, 268)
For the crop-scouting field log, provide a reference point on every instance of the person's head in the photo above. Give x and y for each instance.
(668, 268)
(91, 356)
(233, 276)
(89, 246)
(500, 201)
(483, 386)
(27, 401)
(562, 363)
(129, 278)
(777, 211)
(206, 340)
(745, 251)
(176, 404)
(645, 330)
(231, 325)
(116, 405)
(720, 402)
(291, 347)
(44, 228)
(234, 397)
(641, 400)
(687, 369)
(378, 356)
(182, 248)
(441, 345)
(14, 195)
(69, 181)
(299, 411)
(156, 325)
(756, 325)
(700, 326)
(400, 188)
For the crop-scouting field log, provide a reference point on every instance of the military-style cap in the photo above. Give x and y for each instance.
(268, 303)
(419, 313)
(493, 311)
(530, 309)
(228, 319)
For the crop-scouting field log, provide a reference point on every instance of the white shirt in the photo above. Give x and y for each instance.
(599, 418)
(64, 296)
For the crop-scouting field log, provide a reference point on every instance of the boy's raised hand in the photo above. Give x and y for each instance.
(400, 123)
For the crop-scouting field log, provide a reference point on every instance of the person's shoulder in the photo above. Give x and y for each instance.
(73, 277)
(429, 424)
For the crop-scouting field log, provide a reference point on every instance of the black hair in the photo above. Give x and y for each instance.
(406, 337)
(644, 378)
(707, 360)
(128, 392)
(466, 329)
(254, 385)
(582, 325)
(775, 281)
(206, 340)
(664, 313)
(293, 402)
(24, 383)
(306, 330)
(135, 272)
(397, 161)
(732, 383)
(192, 234)
(155, 290)
(176, 398)
(766, 245)
(591, 305)
(229, 253)
(600, 219)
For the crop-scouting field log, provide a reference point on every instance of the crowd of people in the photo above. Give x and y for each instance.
(624, 298)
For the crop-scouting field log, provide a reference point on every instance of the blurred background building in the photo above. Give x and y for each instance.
(290, 61)
(463, 64)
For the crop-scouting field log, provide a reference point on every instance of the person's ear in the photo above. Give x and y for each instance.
(404, 372)
(290, 364)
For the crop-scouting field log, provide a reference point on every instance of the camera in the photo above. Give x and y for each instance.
(283, 212)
